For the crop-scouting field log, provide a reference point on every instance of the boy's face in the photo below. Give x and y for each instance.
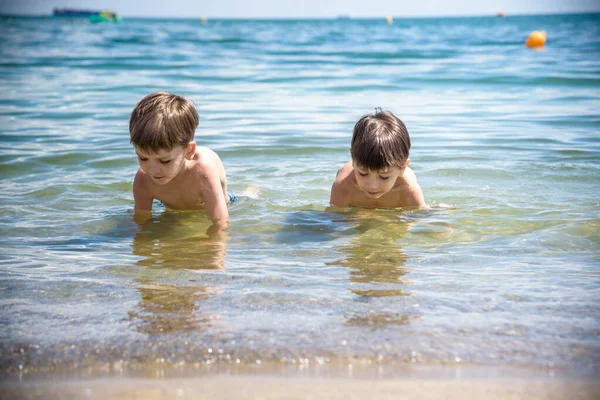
(164, 165)
(375, 184)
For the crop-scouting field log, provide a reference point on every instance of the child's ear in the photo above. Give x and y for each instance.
(190, 150)
(405, 164)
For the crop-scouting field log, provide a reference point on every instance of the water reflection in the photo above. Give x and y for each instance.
(180, 240)
(175, 241)
(167, 309)
(377, 275)
(374, 257)
(379, 319)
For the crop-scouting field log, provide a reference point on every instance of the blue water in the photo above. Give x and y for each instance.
(503, 271)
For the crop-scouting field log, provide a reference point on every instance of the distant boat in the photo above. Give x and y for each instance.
(92, 15)
(72, 12)
(343, 17)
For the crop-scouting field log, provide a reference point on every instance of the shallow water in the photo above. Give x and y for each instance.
(506, 275)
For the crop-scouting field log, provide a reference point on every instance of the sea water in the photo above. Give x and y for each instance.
(503, 271)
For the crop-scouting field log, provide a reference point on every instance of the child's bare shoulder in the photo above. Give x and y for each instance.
(141, 180)
(344, 179)
(207, 165)
(205, 151)
(344, 172)
(342, 186)
(409, 177)
(206, 158)
(413, 195)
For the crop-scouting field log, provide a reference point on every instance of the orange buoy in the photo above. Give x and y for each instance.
(500, 14)
(536, 40)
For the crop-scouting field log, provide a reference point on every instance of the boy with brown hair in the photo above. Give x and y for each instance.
(173, 169)
(378, 175)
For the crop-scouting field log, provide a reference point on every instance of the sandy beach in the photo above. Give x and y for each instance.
(268, 387)
(268, 381)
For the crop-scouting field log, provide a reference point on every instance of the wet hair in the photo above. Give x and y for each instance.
(380, 140)
(162, 121)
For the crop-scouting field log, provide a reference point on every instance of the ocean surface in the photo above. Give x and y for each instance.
(502, 272)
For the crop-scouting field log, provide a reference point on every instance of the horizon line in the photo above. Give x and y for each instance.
(335, 17)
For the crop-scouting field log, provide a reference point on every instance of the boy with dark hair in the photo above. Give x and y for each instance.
(378, 175)
(173, 169)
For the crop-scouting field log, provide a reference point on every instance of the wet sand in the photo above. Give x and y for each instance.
(266, 382)
(267, 387)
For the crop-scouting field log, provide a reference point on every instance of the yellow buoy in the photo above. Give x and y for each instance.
(389, 20)
(536, 40)
(203, 20)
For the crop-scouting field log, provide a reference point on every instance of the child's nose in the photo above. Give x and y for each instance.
(371, 182)
(154, 169)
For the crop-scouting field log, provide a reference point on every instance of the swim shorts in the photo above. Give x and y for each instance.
(232, 198)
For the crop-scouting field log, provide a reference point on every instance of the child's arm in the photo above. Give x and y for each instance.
(340, 191)
(214, 198)
(414, 198)
(142, 197)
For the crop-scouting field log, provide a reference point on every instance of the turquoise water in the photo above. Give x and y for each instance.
(507, 275)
